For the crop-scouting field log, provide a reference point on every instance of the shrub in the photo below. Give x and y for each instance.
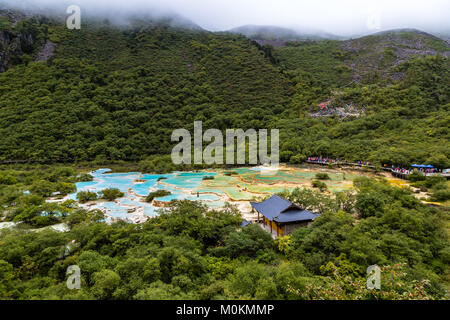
(86, 196)
(7, 179)
(250, 242)
(157, 194)
(429, 182)
(441, 192)
(322, 176)
(298, 159)
(64, 188)
(43, 188)
(84, 177)
(369, 204)
(416, 176)
(319, 185)
(111, 194)
(441, 195)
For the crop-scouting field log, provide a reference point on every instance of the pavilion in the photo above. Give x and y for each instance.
(282, 216)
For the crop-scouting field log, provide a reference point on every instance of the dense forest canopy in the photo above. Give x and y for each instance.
(190, 252)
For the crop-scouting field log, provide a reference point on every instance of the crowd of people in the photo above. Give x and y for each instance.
(401, 170)
(325, 160)
(429, 170)
(396, 169)
(421, 170)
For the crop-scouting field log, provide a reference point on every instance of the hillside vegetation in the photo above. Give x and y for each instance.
(190, 252)
(118, 93)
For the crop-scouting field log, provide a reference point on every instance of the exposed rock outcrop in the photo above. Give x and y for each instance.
(13, 47)
(47, 51)
(21, 40)
(382, 52)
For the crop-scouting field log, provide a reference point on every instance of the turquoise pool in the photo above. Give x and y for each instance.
(182, 185)
(243, 185)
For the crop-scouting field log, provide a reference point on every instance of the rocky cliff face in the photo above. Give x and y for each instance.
(384, 51)
(21, 40)
(13, 47)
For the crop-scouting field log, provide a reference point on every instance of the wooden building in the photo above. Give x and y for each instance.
(282, 216)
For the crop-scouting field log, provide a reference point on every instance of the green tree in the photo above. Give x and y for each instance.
(86, 196)
(105, 283)
(249, 242)
(111, 194)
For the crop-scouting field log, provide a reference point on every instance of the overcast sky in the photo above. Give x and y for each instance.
(341, 17)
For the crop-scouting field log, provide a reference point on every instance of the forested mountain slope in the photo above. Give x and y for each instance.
(117, 93)
(401, 92)
(370, 59)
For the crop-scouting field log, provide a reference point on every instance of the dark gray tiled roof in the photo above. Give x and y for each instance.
(280, 210)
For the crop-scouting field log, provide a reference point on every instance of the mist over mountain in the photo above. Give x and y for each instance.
(355, 18)
(270, 33)
(111, 15)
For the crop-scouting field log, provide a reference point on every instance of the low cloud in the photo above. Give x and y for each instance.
(344, 17)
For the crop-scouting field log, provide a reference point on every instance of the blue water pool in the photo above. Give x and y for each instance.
(134, 185)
